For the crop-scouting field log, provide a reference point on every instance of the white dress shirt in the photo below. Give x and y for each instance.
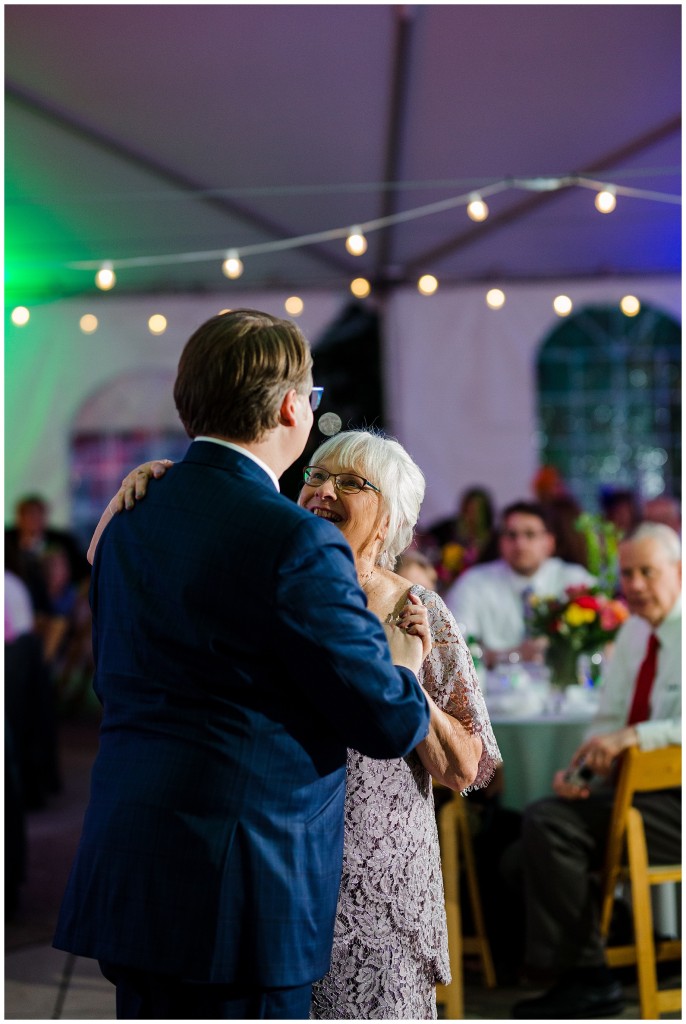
(487, 600)
(619, 679)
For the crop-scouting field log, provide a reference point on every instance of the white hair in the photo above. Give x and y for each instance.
(385, 463)
(668, 538)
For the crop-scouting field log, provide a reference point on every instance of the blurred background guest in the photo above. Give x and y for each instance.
(489, 601)
(570, 542)
(455, 543)
(663, 510)
(30, 715)
(416, 567)
(28, 540)
(620, 506)
(53, 566)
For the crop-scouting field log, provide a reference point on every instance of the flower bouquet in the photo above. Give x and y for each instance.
(581, 622)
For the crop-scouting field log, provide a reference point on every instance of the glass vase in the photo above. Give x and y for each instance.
(561, 659)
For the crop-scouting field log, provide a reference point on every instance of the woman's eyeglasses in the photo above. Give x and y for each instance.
(346, 483)
(315, 398)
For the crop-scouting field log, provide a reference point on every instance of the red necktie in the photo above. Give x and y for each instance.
(644, 683)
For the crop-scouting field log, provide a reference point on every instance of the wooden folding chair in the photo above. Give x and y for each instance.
(640, 772)
(455, 838)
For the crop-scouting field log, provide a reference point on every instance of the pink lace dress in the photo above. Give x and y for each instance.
(390, 942)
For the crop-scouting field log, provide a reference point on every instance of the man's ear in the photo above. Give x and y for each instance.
(288, 413)
(550, 537)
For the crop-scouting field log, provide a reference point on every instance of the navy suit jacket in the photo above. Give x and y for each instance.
(235, 661)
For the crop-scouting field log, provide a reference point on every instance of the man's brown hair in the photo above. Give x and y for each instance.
(234, 372)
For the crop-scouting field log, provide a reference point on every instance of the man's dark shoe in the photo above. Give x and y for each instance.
(573, 1000)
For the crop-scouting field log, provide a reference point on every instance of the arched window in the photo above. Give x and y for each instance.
(609, 403)
(130, 420)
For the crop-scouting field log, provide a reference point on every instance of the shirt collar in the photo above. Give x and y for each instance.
(244, 451)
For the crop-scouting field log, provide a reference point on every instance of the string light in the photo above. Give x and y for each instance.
(427, 284)
(476, 208)
(630, 306)
(474, 201)
(88, 323)
(232, 266)
(562, 304)
(20, 316)
(360, 287)
(157, 324)
(606, 201)
(294, 305)
(105, 277)
(356, 243)
(495, 298)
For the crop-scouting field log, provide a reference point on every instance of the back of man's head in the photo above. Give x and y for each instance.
(234, 372)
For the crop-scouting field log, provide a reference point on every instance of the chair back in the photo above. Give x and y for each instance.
(641, 771)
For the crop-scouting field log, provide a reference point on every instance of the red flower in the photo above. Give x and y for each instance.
(587, 601)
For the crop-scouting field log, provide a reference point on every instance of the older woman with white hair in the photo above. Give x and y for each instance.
(390, 943)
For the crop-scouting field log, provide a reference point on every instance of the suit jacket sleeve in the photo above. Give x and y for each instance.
(337, 649)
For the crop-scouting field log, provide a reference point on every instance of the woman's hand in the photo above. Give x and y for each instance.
(414, 618)
(406, 649)
(134, 486)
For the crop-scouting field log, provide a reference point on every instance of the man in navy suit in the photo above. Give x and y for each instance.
(235, 661)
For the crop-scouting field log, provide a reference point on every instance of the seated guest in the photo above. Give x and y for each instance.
(28, 541)
(30, 721)
(414, 566)
(620, 506)
(570, 542)
(663, 510)
(488, 601)
(462, 539)
(563, 837)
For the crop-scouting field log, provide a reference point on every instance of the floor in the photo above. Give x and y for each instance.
(43, 983)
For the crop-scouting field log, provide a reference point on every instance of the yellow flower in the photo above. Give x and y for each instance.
(452, 555)
(577, 616)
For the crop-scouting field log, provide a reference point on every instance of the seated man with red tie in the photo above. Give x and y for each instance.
(563, 837)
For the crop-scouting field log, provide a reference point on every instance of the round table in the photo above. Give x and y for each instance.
(533, 749)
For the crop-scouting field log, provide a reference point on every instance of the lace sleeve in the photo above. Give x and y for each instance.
(449, 677)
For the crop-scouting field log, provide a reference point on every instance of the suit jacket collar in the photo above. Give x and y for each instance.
(220, 457)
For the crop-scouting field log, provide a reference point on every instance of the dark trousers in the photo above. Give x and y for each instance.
(563, 847)
(142, 995)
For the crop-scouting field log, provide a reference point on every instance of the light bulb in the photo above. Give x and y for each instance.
(562, 304)
(630, 305)
(105, 277)
(232, 266)
(356, 243)
(495, 298)
(157, 324)
(427, 284)
(605, 201)
(294, 305)
(88, 323)
(20, 316)
(476, 208)
(360, 287)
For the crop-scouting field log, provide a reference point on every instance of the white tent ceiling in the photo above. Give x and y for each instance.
(159, 130)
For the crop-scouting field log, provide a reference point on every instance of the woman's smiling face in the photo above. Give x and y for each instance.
(359, 515)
